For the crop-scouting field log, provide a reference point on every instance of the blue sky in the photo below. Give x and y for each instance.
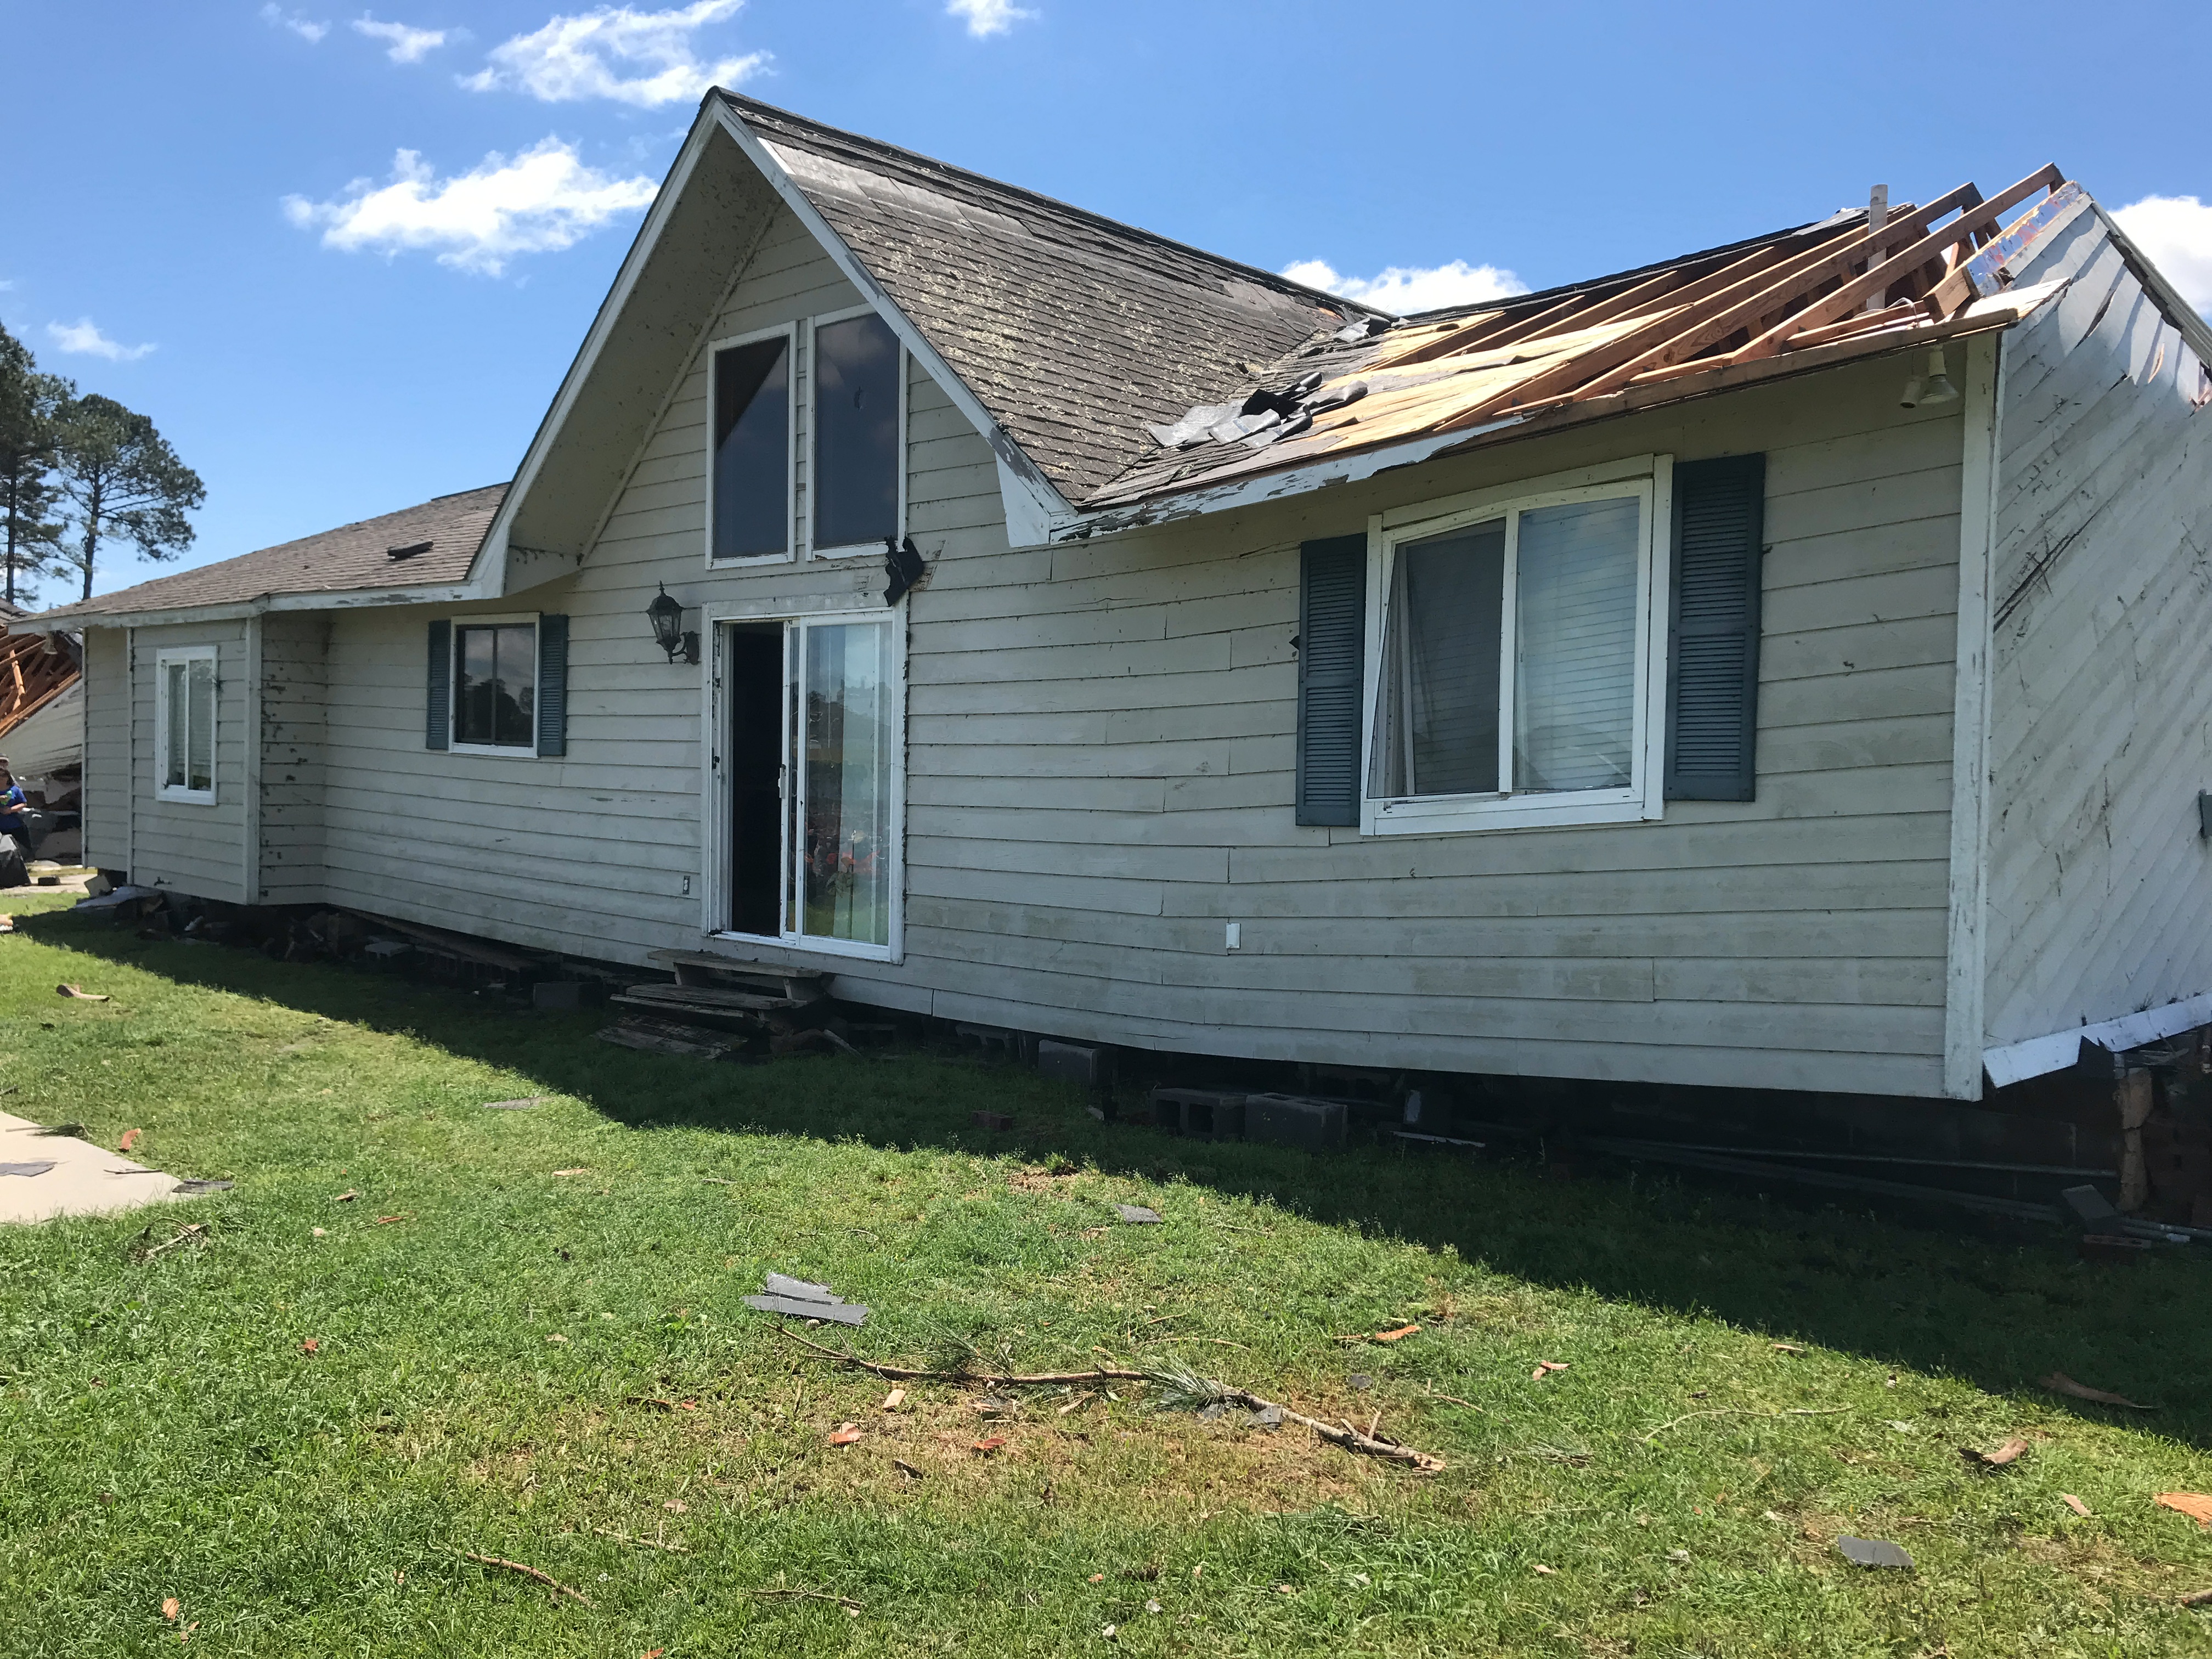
(343, 257)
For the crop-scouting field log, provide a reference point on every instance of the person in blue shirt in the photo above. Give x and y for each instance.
(12, 805)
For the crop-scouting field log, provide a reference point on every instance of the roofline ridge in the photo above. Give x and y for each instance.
(932, 164)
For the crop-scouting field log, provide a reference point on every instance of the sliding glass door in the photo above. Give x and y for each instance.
(843, 810)
(812, 711)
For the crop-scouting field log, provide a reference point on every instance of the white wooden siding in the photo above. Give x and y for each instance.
(198, 849)
(597, 852)
(294, 686)
(1100, 765)
(1100, 750)
(106, 795)
(2099, 886)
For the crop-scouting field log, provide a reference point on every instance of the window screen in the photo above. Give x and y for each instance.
(752, 450)
(856, 449)
(495, 685)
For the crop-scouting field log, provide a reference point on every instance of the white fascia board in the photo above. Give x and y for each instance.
(1030, 497)
(487, 570)
(2015, 1062)
(358, 598)
(1264, 486)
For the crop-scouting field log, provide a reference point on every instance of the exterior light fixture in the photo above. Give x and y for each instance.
(1934, 387)
(666, 616)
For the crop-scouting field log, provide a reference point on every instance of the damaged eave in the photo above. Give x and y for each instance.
(1253, 490)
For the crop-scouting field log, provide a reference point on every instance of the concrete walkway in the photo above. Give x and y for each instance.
(85, 1179)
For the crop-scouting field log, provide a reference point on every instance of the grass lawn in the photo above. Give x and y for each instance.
(495, 1315)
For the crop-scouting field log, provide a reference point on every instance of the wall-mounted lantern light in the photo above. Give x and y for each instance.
(666, 616)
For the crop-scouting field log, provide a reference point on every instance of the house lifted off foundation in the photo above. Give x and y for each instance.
(1783, 667)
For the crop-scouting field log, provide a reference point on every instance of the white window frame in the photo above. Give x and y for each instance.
(497, 750)
(1648, 479)
(791, 334)
(856, 549)
(163, 790)
(714, 806)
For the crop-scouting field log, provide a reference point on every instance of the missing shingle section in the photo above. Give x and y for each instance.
(407, 551)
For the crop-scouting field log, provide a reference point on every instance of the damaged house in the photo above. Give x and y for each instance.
(1781, 667)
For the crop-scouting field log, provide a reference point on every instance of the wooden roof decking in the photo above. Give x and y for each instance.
(1798, 300)
(32, 673)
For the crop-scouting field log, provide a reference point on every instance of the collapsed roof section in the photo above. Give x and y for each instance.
(1802, 299)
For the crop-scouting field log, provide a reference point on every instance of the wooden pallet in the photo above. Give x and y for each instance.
(705, 969)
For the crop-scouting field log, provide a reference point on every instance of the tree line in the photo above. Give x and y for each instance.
(79, 472)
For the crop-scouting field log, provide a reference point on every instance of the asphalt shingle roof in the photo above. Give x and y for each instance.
(1073, 330)
(447, 529)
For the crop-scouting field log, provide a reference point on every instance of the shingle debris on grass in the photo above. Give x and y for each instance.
(781, 1294)
(1874, 1552)
(521, 1105)
(1137, 1215)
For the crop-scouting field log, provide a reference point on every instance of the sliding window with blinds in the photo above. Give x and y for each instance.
(1515, 664)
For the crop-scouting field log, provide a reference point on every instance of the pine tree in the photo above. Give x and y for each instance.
(30, 524)
(121, 478)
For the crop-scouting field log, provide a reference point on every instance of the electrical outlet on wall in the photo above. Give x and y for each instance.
(687, 887)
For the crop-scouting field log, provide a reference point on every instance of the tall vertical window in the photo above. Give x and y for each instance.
(751, 462)
(809, 762)
(185, 695)
(856, 433)
(1515, 654)
(495, 685)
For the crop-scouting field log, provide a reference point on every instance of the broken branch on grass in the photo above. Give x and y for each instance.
(191, 1233)
(545, 1578)
(910, 1374)
(642, 1543)
(846, 1602)
(1183, 1390)
(1731, 1411)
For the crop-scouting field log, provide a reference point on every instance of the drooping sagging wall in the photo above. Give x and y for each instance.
(2099, 882)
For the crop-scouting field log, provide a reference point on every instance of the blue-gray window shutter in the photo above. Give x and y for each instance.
(1712, 679)
(1332, 651)
(438, 705)
(552, 685)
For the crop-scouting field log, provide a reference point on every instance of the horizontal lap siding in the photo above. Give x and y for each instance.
(2100, 887)
(592, 853)
(295, 697)
(1102, 751)
(195, 849)
(107, 749)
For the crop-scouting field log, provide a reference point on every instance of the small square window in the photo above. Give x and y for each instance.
(495, 685)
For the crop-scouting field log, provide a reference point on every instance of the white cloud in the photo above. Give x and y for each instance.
(1403, 289)
(986, 17)
(640, 58)
(544, 200)
(403, 44)
(84, 338)
(305, 28)
(2176, 231)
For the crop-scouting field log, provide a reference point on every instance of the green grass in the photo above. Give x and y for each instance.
(163, 1433)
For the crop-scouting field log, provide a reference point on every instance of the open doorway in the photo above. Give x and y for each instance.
(753, 672)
